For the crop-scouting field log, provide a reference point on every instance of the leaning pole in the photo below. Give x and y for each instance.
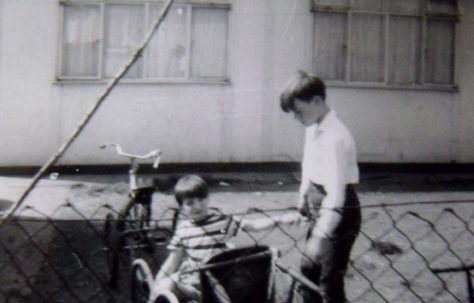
(90, 113)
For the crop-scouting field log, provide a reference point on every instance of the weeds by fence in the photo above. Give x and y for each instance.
(406, 252)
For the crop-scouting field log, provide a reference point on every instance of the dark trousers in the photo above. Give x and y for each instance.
(325, 260)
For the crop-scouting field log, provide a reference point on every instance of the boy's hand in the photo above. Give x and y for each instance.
(292, 218)
(302, 206)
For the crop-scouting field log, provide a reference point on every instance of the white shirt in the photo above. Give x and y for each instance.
(329, 159)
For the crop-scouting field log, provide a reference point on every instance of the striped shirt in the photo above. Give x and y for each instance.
(202, 240)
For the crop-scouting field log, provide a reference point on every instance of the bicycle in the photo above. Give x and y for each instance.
(131, 227)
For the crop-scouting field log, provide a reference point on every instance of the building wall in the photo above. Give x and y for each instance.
(464, 108)
(237, 122)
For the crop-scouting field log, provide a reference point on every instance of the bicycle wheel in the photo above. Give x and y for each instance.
(141, 282)
(112, 245)
(169, 297)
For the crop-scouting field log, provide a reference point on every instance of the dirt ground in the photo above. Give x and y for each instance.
(54, 251)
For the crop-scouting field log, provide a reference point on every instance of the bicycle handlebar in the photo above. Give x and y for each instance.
(156, 153)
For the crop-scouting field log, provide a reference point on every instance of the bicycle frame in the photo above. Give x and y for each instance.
(134, 163)
(133, 221)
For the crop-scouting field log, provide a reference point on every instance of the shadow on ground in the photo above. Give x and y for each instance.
(58, 261)
(369, 182)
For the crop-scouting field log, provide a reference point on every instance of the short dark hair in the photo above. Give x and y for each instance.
(190, 186)
(303, 87)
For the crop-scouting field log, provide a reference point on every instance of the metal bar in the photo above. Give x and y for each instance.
(469, 286)
(424, 43)
(229, 262)
(466, 269)
(300, 278)
(453, 269)
(189, 41)
(386, 59)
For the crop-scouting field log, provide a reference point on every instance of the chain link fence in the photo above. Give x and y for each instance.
(418, 251)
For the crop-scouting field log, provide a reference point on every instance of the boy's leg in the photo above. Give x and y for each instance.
(312, 265)
(173, 285)
(186, 292)
(339, 250)
(311, 260)
(324, 263)
(333, 269)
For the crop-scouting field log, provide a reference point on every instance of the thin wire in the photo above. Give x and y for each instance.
(289, 20)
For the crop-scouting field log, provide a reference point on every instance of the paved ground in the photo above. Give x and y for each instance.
(89, 196)
(92, 190)
(370, 181)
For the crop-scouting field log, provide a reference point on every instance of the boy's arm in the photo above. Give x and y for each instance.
(171, 264)
(329, 217)
(270, 222)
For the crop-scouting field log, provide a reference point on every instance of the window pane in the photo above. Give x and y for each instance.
(367, 48)
(442, 6)
(370, 5)
(124, 31)
(406, 6)
(209, 40)
(330, 48)
(81, 41)
(439, 52)
(168, 50)
(332, 2)
(405, 50)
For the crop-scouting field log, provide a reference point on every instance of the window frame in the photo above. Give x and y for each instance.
(425, 15)
(189, 5)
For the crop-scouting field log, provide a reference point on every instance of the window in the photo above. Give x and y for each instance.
(99, 37)
(403, 43)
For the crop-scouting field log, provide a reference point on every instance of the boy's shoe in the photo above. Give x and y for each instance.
(166, 297)
(142, 281)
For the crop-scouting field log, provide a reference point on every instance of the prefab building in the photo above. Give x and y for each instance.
(206, 87)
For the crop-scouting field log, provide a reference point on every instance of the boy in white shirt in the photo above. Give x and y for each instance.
(329, 172)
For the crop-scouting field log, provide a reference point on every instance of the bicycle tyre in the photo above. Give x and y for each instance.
(112, 244)
(140, 281)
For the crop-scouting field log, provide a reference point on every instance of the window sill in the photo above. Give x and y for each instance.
(143, 82)
(445, 88)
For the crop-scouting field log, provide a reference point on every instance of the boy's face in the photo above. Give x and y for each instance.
(306, 113)
(195, 208)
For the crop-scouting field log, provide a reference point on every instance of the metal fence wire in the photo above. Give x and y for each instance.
(406, 252)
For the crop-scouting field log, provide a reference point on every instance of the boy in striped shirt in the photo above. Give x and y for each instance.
(202, 233)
